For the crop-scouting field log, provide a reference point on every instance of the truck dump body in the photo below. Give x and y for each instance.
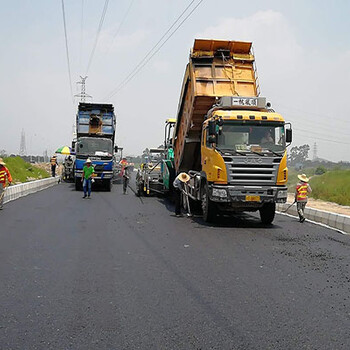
(96, 119)
(216, 68)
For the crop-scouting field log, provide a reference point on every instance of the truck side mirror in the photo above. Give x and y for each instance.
(212, 128)
(288, 135)
(116, 149)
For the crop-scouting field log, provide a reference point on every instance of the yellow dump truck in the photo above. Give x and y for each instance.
(226, 137)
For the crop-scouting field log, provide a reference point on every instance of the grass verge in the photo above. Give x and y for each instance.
(333, 186)
(22, 171)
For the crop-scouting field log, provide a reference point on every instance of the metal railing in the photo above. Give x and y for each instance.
(21, 190)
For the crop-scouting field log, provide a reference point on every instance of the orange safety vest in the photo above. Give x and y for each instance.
(3, 174)
(302, 192)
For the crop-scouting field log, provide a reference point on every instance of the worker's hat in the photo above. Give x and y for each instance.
(2, 162)
(184, 177)
(88, 160)
(303, 178)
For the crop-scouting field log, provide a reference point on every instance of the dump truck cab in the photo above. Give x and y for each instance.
(243, 161)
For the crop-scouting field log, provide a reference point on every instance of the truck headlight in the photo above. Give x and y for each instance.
(282, 194)
(219, 192)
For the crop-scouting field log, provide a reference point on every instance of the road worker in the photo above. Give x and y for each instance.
(123, 163)
(68, 168)
(88, 173)
(4, 175)
(126, 178)
(53, 163)
(301, 195)
(179, 186)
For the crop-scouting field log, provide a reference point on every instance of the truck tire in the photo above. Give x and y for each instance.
(78, 186)
(267, 213)
(208, 207)
(108, 185)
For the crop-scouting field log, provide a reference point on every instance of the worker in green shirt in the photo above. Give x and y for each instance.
(88, 170)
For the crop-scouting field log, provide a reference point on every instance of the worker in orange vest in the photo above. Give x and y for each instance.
(4, 175)
(53, 163)
(301, 194)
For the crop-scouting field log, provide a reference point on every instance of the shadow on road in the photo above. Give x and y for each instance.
(231, 221)
(95, 187)
(168, 203)
(243, 220)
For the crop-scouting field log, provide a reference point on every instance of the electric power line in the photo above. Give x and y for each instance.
(149, 55)
(321, 130)
(311, 136)
(67, 52)
(121, 23)
(329, 124)
(97, 34)
(322, 116)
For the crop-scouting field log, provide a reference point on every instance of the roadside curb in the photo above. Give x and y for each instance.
(21, 190)
(336, 221)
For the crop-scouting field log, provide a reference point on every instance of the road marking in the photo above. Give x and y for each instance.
(314, 222)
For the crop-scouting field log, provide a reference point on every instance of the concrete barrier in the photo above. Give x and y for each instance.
(336, 221)
(20, 190)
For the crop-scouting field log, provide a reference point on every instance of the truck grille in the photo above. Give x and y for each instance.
(251, 170)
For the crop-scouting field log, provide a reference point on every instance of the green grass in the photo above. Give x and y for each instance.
(22, 171)
(333, 186)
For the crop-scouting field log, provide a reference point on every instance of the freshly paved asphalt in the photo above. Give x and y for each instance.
(115, 273)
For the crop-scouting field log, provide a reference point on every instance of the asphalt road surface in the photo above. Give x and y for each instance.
(115, 273)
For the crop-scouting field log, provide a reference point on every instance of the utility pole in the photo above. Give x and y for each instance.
(22, 147)
(83, 95)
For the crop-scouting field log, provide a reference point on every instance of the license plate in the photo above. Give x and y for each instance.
(252, 198)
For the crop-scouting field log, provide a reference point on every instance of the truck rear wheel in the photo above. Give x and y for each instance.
(267, 213)
(208, 207)
(108, 185)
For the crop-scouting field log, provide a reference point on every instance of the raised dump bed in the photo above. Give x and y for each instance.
(216, 68)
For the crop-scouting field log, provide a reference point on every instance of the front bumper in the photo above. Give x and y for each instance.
(249, 196)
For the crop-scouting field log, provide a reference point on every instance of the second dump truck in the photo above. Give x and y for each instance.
(226, 137)
(95, 129)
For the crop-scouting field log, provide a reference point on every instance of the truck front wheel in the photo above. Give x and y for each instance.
(208, 207)
(108, 185)
(267, 213)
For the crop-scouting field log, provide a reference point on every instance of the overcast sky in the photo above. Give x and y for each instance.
(302, 52)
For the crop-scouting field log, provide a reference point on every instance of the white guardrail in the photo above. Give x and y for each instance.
(21, 190)
(336, 221)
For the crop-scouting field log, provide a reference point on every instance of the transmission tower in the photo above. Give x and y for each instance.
(83, 95)
(314, 153)
(22, 147)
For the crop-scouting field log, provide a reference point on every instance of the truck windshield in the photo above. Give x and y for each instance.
(95, 146)
(250, 137)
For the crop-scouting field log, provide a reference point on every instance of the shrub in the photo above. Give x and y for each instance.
(320, 170)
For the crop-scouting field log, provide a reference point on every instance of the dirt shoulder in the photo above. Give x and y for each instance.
(323, 205)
